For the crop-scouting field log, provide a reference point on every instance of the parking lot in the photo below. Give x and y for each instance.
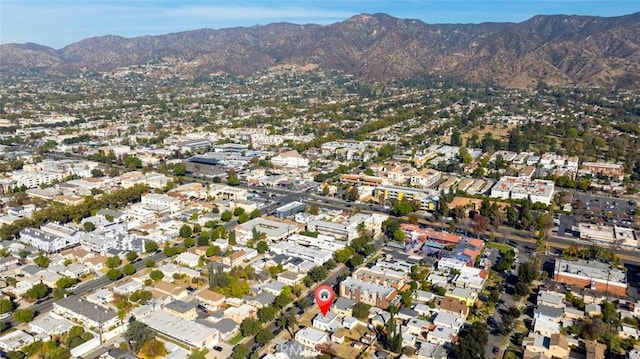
(619, 207)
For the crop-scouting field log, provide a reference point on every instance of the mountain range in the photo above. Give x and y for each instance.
(556, 49)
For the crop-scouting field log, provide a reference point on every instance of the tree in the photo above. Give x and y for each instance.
(288, 321)
(96, 172)
(132, 162)
(255, 214)
(89, 226)
(456, 139)
(203, 238)
(52, 350)
(314, 209)
(170, 251)
(185, 231)
(114, 274)
(238, 211)
(150, 263)
(264, 336)
(464, 155)
(232, 179)
(6, 305)
(15, 355)
(282, 300)
(361, 310)
(132, 256)
(394, 336)
(356, 260)
(129, 269)
(249, 327)
(343, 255)
(267, 314)
(471, 345)
(226, 216)
(240, 352)
(156, 275)
(136, 335)
(402, 208)
(189, 242)
(38, 291)
(59, 293)
(398, 235)
(113, 262)
(179, 169)
(198, 354)
(150, 246)
(480, 223)
(42, 261)
(23, 315)
(153, 349)
(262, 247)
(243, 218)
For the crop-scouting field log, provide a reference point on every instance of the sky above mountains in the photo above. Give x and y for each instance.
(57, 23)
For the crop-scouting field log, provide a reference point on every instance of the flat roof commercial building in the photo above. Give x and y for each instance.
(598, 276)
(522, 188)
(188, 332)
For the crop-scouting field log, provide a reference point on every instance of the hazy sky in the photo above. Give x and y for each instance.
(58, 23)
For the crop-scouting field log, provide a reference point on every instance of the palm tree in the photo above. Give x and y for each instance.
(288, 322)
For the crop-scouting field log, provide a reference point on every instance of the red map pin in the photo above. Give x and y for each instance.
(324, 297)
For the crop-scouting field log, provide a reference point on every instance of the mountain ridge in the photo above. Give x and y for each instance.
(556, 49)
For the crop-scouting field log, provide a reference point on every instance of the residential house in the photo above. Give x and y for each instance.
(350, 322)
(263, 299)
(290, 278)
(274, 287)
(554, 346)
(15, 341)
(343, 306)
(595, 350)
(431, 351)
(188, 259)
(75, 270)
(181, 309)
(9, 262)
(95, 262)
(227, 328)
(234, 259)
(174, 291)
(127, 288)
(328, 323)
(550, 299)
(466, 296)
(546, 320)
(92, 316)
(448, 320)
(442, 335)
(454, 306)
(50, 324)
(310, 337)
(210, 298)
(102, 297)
(238, 314)
(418, 327)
